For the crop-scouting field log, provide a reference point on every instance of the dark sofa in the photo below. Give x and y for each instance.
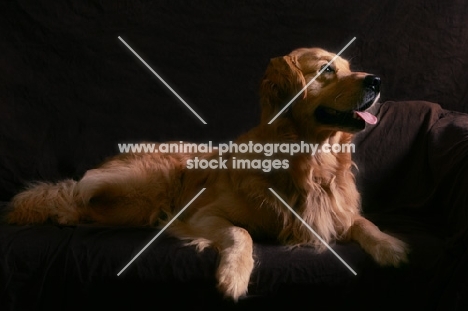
(70, 91)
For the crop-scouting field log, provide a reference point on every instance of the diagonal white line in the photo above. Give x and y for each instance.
(311, 81)
(160, 232)
(162, 80)
(312, 230)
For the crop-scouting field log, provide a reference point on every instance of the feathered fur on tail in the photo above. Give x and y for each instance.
(130, 189)
(42, 202)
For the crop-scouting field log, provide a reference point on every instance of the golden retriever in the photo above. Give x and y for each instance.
(150, 188)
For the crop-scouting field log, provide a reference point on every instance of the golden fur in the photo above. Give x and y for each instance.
(149, 188)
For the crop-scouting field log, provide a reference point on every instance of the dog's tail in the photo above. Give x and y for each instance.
(125, 191)
(42, 202)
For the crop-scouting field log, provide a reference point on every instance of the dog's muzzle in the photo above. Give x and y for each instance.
(357, 118)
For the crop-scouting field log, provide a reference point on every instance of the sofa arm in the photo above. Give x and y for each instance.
(448, 161)
(392, 167)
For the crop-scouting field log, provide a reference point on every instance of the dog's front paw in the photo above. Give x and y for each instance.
(390, 251)
(233, 276)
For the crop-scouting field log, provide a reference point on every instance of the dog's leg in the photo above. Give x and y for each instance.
(125, 195)
(235, 248)
(236, 262)
(385, 249)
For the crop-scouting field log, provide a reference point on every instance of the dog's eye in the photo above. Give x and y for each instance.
(328, 69)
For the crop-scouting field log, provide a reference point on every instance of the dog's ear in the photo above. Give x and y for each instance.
(281, 82)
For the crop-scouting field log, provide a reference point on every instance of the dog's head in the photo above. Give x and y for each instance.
(334, 100)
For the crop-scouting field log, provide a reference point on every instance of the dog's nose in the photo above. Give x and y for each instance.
(372, 82)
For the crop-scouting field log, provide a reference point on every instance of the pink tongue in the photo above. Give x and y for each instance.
(366, 116)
